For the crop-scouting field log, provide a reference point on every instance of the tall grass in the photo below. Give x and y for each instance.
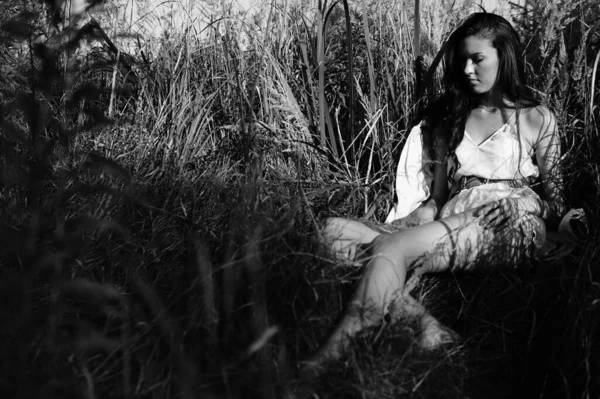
(182, 257)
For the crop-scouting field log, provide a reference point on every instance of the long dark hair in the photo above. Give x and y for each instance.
(451, 110)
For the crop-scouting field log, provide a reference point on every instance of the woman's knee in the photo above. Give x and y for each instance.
(389, 246)
(333, 225)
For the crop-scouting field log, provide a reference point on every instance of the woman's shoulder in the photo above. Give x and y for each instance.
(537, 121)
(538, 117)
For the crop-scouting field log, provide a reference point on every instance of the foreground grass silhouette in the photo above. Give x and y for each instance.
(127, 273)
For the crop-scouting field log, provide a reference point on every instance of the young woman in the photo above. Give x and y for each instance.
(489, 140)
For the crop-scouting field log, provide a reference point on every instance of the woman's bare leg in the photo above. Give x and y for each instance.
(344, 235)
(453, 242)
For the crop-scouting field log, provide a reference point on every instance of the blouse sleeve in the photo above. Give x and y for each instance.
(412, 185)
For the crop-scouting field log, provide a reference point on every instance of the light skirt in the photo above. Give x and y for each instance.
(527, 233)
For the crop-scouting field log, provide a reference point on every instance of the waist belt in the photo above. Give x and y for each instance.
(466, 182)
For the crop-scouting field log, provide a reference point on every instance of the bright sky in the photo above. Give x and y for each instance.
(491, 5)
(149, 20)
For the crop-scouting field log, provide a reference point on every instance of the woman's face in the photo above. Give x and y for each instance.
(479, 60)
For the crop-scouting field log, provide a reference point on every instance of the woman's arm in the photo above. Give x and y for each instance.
(541, 125)
(551, 208)
(439, 190)
(429, 210)
(540, 130)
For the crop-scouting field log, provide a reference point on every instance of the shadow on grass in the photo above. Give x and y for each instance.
(524, 334)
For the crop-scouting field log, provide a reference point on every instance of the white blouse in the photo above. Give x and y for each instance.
(501, 156)
(494, 158)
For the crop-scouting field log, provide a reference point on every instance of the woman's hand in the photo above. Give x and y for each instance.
(497, 214)
(421, 215)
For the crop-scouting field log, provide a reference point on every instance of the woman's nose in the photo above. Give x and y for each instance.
(469, 68)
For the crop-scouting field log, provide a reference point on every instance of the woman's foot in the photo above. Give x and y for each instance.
(311, 369)
(317, 364)
(301, 388)
(434, 334)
